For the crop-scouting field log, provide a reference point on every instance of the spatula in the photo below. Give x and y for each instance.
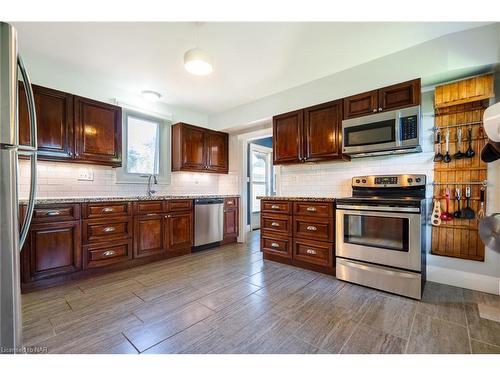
(467, 212)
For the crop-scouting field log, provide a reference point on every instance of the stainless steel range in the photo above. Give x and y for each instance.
(380, 234)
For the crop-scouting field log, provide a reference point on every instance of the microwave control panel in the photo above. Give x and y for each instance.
(409, 128)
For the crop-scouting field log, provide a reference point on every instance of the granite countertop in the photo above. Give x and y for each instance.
(121, 199)
(278, 198)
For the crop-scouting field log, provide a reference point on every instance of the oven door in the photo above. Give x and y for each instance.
(388, 236)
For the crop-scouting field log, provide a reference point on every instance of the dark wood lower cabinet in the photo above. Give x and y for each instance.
(304, 240)
(52, 249)
(70, 241)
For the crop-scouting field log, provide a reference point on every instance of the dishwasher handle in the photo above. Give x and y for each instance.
(201, 201)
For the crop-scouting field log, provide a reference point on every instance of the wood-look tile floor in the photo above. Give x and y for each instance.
(228, 300)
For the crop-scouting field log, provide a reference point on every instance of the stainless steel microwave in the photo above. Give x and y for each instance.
(391, 132)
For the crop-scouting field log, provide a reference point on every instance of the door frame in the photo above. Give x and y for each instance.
(243, 141)
(269, 168)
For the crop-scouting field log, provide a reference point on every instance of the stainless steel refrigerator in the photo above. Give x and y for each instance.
(13, 229)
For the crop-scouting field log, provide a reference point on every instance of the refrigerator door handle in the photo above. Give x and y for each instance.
(29, 151)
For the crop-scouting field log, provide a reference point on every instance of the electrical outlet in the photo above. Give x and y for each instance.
(85, 174)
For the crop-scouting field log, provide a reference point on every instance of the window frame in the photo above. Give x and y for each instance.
(269, 167)
(164, 155)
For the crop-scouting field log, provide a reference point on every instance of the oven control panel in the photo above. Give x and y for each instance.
(401, 180)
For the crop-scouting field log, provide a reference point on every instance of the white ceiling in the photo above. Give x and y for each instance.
(251, 60)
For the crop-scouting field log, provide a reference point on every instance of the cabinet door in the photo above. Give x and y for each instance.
(98, 128)
(322, 127)
(361, 104)
(188, 148)
(402, 95)
(216, 145)
(54, 115)
(230, 223)
(287, 137)
(52, 249)
(149, 235)
(179, 235)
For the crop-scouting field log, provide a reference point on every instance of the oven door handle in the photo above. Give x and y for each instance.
(378, 208)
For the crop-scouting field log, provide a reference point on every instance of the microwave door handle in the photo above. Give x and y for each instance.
(398, 128)
(29, 151)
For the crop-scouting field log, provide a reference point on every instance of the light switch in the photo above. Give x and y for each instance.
(85, 174)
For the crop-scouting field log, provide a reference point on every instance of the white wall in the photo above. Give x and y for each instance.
(434, 61)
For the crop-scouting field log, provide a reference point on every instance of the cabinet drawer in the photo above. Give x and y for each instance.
(106, 229)
(282, 207)
(315, 252)
(279, 224)
(180, 205)
(317, 209)
(230, 203)
(281, 246)
(149, 207)
(107, 209)
(106, 254)
(313, 228)
(60, 212)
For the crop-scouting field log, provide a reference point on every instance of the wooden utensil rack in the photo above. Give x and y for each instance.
(460, 105)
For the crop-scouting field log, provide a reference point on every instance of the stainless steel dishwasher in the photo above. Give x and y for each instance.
(208, 222)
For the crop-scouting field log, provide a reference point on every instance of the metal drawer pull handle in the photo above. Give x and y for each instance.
(311, 251)
(108, 253)
(274, 244)
(109, 229)
(53, 213)
(275, 206)
(151, 214)
(311, 209)
(311, 227)
(229, 202)
(275, 224)
(107, 209)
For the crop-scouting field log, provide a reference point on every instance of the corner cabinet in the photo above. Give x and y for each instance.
(309, 134)
(71, 128)
(401, 95)
(98, 130)
(196, 149)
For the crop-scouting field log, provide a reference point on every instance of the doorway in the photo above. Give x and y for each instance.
(261, 177)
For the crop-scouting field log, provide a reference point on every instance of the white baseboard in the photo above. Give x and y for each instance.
(467, 280)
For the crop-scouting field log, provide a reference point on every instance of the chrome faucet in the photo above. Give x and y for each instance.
(155, 181)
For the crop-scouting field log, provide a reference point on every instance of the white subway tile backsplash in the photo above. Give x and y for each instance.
(61, 180)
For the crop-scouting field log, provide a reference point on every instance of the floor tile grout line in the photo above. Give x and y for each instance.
(486, 342)
(131, 343)
(411, 330)
(468, 331)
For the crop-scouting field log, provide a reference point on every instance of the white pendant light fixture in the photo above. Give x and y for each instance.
(197, 61)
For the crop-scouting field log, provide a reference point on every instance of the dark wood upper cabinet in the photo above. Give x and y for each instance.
(401, 95)
(361, 104)
(54, 113)
(98, 132)
(288, 137)
(217, 151)
(198, 149)
(322, 131)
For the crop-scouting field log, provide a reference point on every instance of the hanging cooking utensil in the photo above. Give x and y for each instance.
(459, 154)
(467, 212)
(489, 231)
(446, 215)
(447, 157)
(458, 195)
(438, 156)
(480, 213)
(470, 152)
(436, 213)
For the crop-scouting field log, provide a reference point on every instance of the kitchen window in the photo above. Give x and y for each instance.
(146, 148)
